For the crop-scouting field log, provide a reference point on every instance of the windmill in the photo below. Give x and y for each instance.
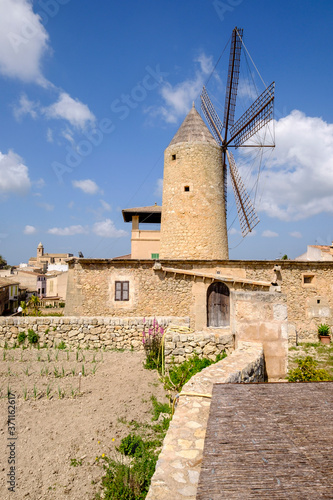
(230, 134)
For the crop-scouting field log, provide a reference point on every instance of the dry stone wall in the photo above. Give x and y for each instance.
(180, 346)
(92, 332)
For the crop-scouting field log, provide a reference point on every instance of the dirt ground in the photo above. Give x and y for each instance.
(54, 424)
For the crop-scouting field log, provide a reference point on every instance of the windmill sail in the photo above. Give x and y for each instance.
(233, 77)
(246, 213)
(258, 114)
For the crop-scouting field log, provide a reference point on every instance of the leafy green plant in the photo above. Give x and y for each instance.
(62, 345)
(159, 408)
(180, 374)
(25, 393)
(21, 337)
(131, 445)
(75, 462)
(307, 371)
(35, 392)
(33, 337)
(48, 391)
(324, 330)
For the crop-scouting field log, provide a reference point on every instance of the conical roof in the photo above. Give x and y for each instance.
(193, 129)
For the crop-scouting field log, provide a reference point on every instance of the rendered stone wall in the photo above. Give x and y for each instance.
(178, 467)
(193, 222)
(263, 317)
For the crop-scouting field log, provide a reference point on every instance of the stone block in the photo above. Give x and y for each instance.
(269, 331)
(280, 312)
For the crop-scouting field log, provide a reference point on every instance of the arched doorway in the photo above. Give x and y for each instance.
(218, 305)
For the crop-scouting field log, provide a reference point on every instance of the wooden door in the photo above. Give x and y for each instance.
(218, 305)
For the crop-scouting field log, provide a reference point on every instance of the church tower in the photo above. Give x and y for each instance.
(193, 225)
(40, 251)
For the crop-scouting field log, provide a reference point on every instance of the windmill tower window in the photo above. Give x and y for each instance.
(186, 188)
(173, 157)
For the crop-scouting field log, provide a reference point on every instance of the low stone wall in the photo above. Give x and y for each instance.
(108, 332)
(182, 346)
(178, 467)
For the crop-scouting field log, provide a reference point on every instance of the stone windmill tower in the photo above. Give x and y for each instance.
(193, 224)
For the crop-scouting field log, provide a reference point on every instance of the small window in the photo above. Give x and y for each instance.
(173, 157)
(122, 290)
(318, 301)
(155, 256)
(186, 188)
(307, 279)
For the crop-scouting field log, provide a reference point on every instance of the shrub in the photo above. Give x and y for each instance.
(33, 337)
(62, 345)
(131, 445)
(21, 337)
(61, 304)
(307, 371)
(180, 374)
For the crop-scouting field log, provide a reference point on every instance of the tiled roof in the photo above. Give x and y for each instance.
(269, 441)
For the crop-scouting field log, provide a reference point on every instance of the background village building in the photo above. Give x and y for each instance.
(317, 252)
(49, 261)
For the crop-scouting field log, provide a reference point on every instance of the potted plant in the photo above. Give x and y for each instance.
(324, 333)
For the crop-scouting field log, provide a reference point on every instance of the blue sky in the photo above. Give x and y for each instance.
(91, 93)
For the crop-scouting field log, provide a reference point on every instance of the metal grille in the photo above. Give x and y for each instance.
(212, 117)
(247, 215)
(258, 114)
(233, 76)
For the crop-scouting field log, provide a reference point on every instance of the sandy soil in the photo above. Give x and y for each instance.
(53, 431)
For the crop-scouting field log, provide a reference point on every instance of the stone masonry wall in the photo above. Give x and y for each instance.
(180, 346)
(91, 291)
(178, 467)
(110, 333)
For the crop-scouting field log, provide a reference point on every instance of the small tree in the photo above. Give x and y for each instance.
(24, 307)
(3, 262)
(34, 303)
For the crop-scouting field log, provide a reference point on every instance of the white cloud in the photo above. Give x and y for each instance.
(49, 135)
(87, 186)
(106, 206)
(178, 98)
(26, 107)
(67, 108)
(296, 234)
(68, 231)
(269, 234)
(233, 230)
(107, 229)
(159, 188)
(46, 206)
(298, 179)
(23, 41)
(68, 135)
(29, 229)
(14, 175)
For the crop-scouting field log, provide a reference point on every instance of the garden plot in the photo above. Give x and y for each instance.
(69, 409)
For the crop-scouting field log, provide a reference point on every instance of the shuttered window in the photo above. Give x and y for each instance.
(122, 290)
